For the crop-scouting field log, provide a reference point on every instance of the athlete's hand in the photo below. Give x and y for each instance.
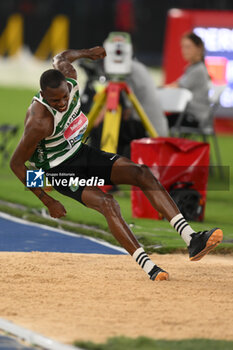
(96, 53)
(56, 209)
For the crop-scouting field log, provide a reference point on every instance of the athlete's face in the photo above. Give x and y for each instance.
(57, 98)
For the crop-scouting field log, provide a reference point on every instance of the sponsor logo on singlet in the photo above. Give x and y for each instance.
(75, 130)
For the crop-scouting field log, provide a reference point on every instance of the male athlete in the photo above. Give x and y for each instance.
(52, 141)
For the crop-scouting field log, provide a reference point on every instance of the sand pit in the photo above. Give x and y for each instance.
(71, 297)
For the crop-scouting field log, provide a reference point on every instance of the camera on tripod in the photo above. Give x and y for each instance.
(119, 51)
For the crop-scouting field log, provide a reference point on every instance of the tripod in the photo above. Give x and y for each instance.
(111, 124)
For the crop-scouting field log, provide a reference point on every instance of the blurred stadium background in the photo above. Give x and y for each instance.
(90, 21)
(43, 27)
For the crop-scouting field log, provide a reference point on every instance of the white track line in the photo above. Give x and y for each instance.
(49, 228)
(33, 338)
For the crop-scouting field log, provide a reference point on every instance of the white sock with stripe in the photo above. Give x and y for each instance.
(182, 227)
(143, 260)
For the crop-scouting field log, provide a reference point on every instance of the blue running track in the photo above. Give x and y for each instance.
(17, 235)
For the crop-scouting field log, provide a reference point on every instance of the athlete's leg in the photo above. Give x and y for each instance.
(124, 171)
(104, 203)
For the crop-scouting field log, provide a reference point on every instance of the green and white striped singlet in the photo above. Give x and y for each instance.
(69, 128)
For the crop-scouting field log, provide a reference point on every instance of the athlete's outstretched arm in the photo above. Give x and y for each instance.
(33, 133)
(63, 60)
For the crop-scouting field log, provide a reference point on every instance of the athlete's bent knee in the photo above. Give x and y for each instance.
(141, 174)
(109, 205)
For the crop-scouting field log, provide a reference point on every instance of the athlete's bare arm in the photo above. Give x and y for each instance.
(38, 125)
(63, 60)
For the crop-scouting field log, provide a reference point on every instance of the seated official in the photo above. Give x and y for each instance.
(196, 79)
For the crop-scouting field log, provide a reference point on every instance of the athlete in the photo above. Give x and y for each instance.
(52, 141)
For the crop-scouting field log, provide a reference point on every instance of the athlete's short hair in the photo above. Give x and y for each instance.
(51, 78)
